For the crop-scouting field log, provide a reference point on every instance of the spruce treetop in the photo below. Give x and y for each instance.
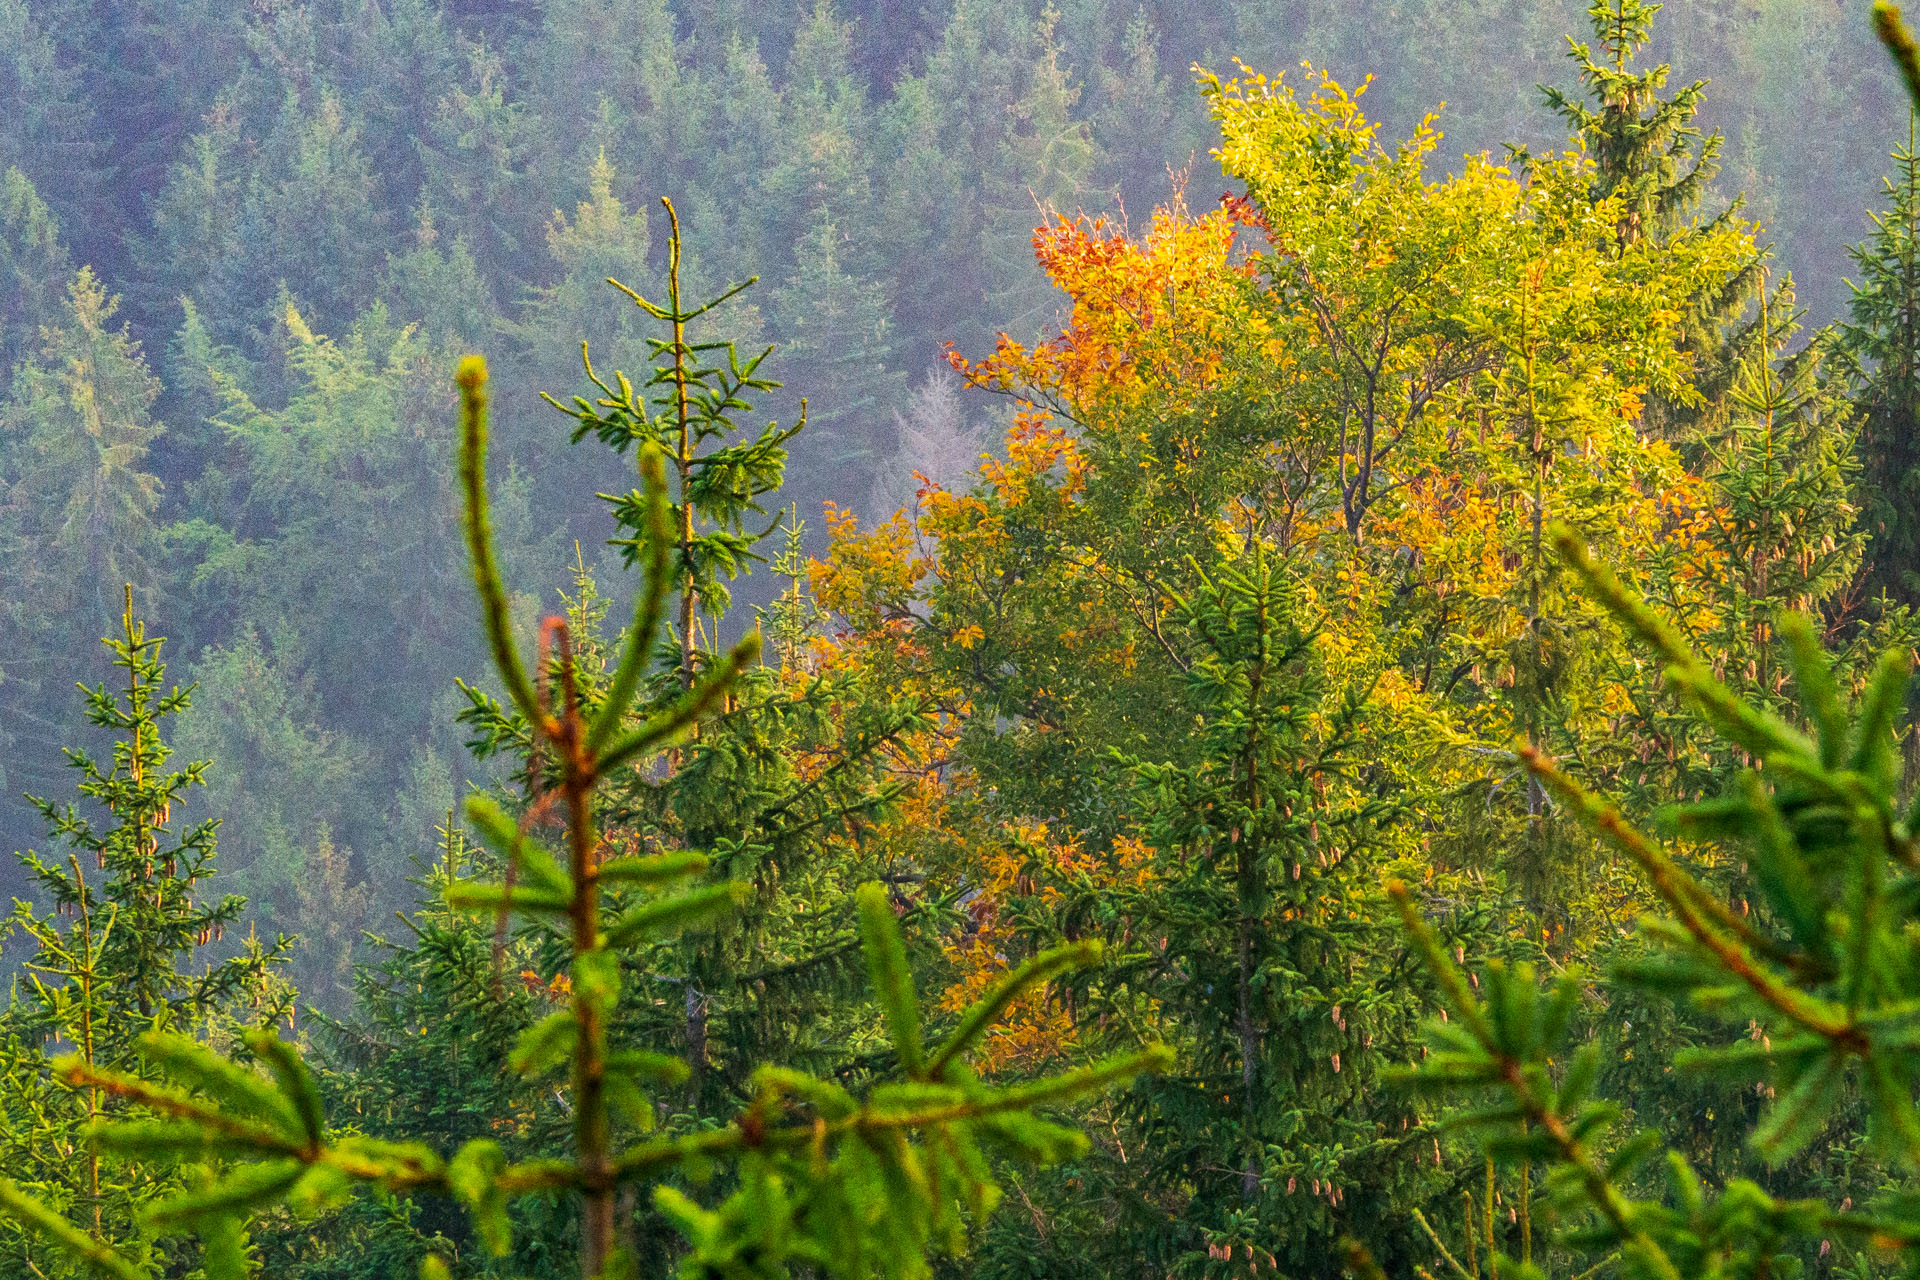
(1646, 149)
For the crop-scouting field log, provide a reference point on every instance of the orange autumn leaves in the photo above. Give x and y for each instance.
(1028, 863)
(1205, 388)
(1158, 310)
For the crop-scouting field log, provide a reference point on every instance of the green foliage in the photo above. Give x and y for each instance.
(111, 963)
(1881, 341)
(859, 1186)
(688, 410)
(1812, 988)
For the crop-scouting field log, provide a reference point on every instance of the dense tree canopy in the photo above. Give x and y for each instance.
(948, 698)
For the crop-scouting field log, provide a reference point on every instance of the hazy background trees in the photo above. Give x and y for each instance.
(241, 244)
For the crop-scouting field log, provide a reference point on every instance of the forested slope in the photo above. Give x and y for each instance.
(305, 210)
(1101, 622)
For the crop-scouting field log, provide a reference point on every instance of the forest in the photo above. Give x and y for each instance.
(959, 638)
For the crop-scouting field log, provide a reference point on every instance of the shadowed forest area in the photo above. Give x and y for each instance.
(959, 638)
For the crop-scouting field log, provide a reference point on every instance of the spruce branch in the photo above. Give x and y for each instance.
(1532, 1096)
(472, 380)
(1892, 29)
(42, 1221)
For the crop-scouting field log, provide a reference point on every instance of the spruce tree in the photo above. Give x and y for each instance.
(795, 617)
(601, 241)
(1777, 532)
(840, 336)
(149, 71)
(1881, 341)
(437, 284)
(125, 948)
(780, 784)
(478, 157)
(1042, 161)
(824, 172)
(1784, 521)
(78, 515)
(80, 427)
(689, 408)
(33, 263)
(1647, 152)
(423, 1056)
(48, 125)
(1259, 941)
(601, 73)
(1133, 114)
(1650, 157)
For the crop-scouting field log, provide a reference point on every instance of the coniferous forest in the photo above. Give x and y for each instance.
(959, 638)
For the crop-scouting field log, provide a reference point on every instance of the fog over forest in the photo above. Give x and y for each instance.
(465, 174)
(1293, 662)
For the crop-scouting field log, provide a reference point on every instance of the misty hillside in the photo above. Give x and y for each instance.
(305, 211)
(959, 640)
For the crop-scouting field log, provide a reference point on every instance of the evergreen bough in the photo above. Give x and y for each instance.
(851, 1185)
(1820, 979)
